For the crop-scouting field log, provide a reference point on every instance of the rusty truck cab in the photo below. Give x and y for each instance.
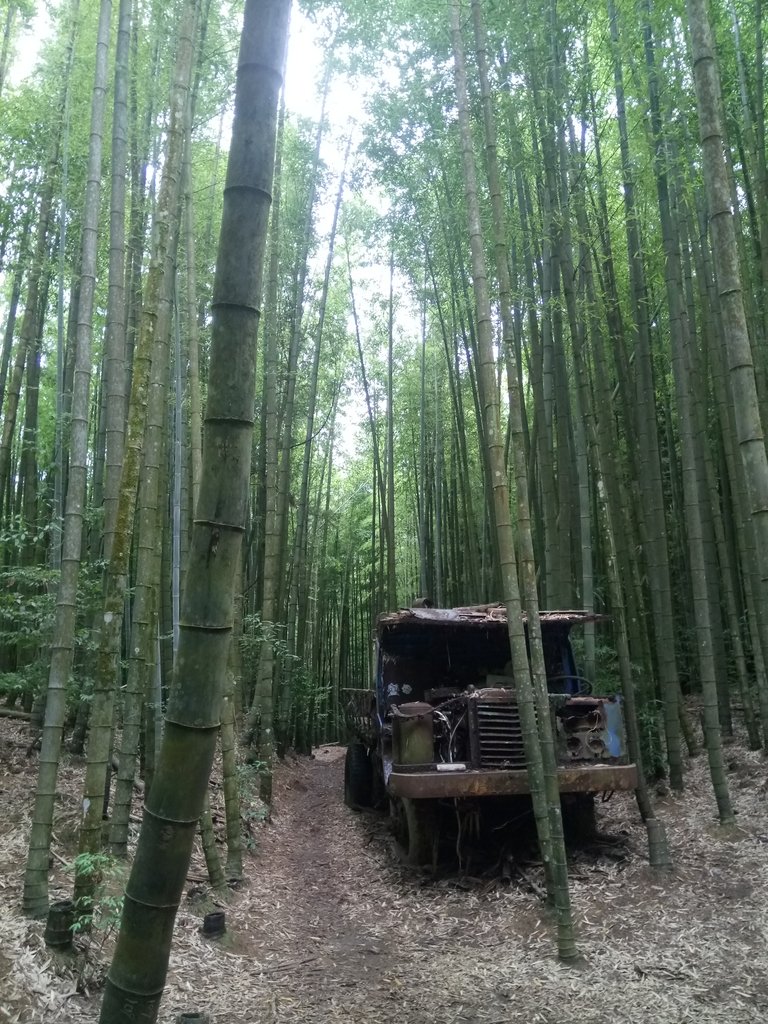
(445, 722)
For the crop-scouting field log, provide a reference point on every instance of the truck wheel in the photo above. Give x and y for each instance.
(416, 830)
(358, 777)
(379, 798)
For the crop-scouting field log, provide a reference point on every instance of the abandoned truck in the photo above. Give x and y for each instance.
(442, 722)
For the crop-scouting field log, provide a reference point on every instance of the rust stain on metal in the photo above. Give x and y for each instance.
(443, 720)
(507, 782)
(479, 616)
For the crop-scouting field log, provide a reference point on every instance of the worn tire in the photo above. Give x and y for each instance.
(358, 777)
(379, 797)
(415, 823)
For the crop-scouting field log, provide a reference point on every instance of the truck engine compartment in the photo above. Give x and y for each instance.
(446, 695)
(439, 742)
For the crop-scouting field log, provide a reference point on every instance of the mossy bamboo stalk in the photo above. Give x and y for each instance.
(679, 330)
(137, 975)
(725, 256)
(156, 303)
(260, 733)
(531, 695)
(234, 863)
(650, 466)
(115, 390)
(63, 642)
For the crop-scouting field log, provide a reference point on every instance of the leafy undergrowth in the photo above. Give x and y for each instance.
(330, 926)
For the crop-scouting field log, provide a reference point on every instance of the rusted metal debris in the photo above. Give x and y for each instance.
(481, 615)
(417, 783)
(442, 721)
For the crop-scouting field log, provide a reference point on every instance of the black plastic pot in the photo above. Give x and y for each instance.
(214, 924)
(58, 927)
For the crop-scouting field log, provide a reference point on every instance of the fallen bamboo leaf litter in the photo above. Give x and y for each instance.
(324, 889)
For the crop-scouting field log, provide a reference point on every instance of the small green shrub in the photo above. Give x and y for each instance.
(108, 875)
(27, 612)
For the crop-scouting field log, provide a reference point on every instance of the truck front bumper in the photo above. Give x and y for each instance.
(419, 783)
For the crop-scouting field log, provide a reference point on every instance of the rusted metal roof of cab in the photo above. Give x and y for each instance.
(477, 616)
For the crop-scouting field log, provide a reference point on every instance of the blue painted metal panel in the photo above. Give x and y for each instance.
(614, 727)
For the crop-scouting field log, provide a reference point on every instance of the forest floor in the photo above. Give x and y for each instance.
(330, 926)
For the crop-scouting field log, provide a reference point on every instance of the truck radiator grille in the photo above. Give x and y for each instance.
(499, 735)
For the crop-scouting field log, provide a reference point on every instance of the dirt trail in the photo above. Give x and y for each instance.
(331, 927)
(346, 932)
(334, 928)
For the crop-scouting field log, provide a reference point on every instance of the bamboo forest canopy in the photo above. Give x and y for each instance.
(610, 315)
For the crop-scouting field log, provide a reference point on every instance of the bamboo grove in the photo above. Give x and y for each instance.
(610, 298)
